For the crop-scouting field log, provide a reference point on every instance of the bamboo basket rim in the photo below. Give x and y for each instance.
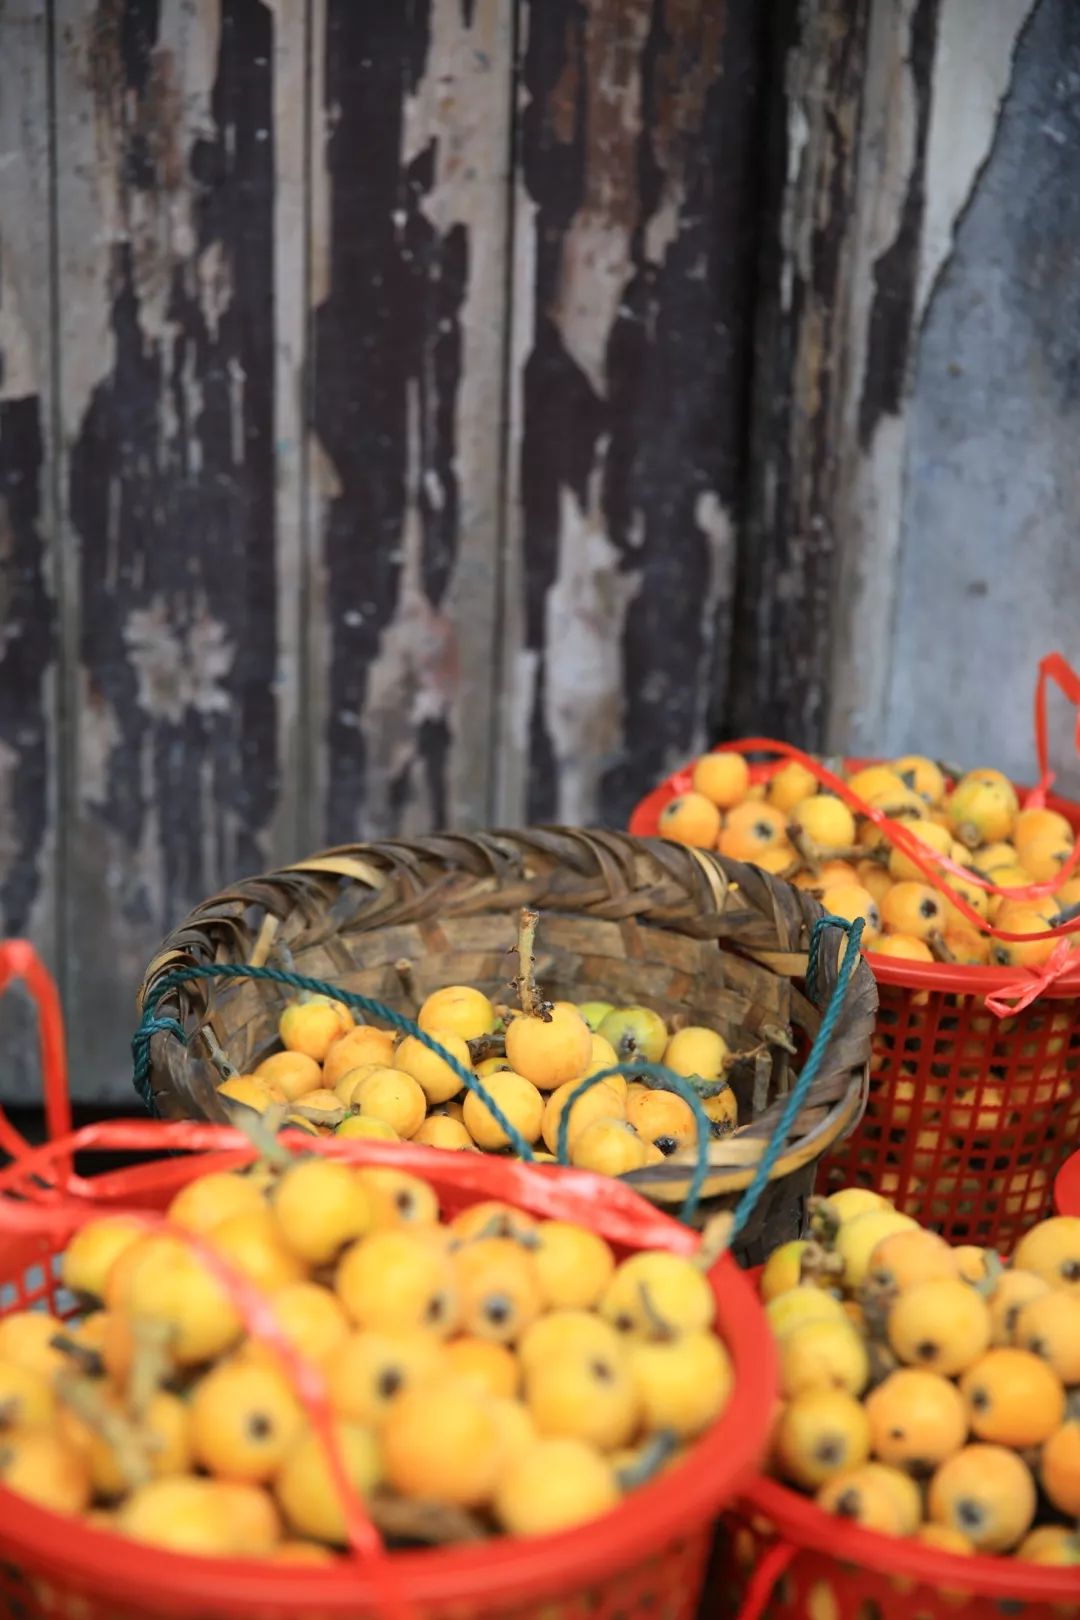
(587, 872)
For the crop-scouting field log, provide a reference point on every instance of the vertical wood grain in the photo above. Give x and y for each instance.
(29, 762)
(785, 605)
(634, 242)
(409, 217)
(168, 245)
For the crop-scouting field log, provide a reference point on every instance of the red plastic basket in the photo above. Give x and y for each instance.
(973, 1107)
(787, 1560)
(1067, 1187)
(646, 1558)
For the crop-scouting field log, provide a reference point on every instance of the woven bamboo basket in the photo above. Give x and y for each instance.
(624, 919)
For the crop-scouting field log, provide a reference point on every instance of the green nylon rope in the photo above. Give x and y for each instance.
(151, 1025)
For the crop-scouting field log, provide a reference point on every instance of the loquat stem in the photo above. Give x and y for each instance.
(936, 941)
(532, 1001)
(817, 1264)
(88, 1361)
(431, 1523)
(715, 1239)
(120, 1434)
(407, 979)
(657, 1325)
(804, 846)
(320, 1116)
(151, 1364)
(261, 1131)
(486, 1046)
(652, 1456)
(227, 1070)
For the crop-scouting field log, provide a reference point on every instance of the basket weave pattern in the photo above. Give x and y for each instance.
(632, 920)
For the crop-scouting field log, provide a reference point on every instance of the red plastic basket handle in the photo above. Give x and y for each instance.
(763, 1581)
(1054, 667)
(19, 960)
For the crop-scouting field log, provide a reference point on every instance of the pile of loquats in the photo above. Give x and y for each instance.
(488, 1373)
(789, 826)
(929, 1391)
(336, 1076)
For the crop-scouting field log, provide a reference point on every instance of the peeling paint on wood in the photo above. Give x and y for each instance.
(936, 78)
(988, 577)
(412, 112)
(28, 610)
(785, 602)
(166, 254)
(633, 270)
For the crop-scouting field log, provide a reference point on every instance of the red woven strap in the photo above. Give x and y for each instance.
(764, 1579)
(1054, 667)
(930, 864)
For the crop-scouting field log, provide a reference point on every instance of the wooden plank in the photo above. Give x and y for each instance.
(633, 274)
(889, 112)
(169, 269)
(29, 628)
(408, 273)
(785, 603)
(940, 84)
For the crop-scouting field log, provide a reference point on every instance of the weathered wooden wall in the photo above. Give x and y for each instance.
(374, 380)
(910, 548)
(459, 411)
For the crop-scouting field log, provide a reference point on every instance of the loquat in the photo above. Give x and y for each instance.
(361, 1046)
(986, 1493)
(552, 1486)
(179, 1513)
(551, 1051)
(690, 818)
(573, 1265)
(394, 1097)
(397, 1198)
(94, 1249)
(482, 1363)
(498, 1288)
(307, 1490)
(519, 1100)
(723, 777)
(823, 1355)
(293, 1073)
(683, 1384)
(1013, 1398)
(917, 1419)
(941, 1324)
(440, 1131)
(1060, 1468)
(825, 821)
(820, 1434)
(790, 784)
(312, 1024)
(244, 1419)
(459, 1010)
(394, 1280)
(438, 1081)
(441, 1443)
(657, 1294)
(253, 1243)
(926, 778)
(750, 829)
(1052, 1251)
(566, 1333)
(371, 1369)
(860, 1497)
(589, 1397)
